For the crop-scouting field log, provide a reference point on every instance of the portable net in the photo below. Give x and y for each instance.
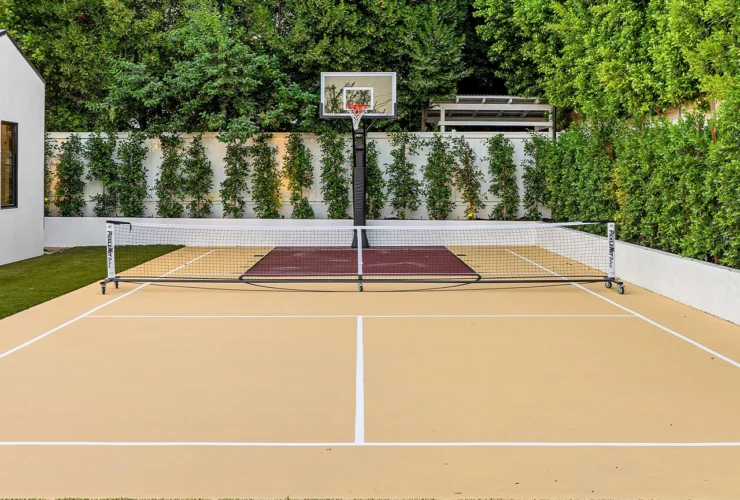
(356, 112)
(485, 253)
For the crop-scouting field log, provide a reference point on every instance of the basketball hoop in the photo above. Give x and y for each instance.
(356, 111)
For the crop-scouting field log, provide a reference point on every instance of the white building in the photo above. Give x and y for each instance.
(22, 95)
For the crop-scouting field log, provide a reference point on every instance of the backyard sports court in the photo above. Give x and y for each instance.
(274, 386)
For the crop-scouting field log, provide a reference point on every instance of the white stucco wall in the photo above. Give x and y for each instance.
(22, 102)
(216, 151)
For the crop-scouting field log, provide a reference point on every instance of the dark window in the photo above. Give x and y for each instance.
(8, 165)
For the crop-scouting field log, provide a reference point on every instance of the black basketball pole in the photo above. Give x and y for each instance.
(358, 182)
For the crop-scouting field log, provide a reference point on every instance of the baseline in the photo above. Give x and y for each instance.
(442, 444)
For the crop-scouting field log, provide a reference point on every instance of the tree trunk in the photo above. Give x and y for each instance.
(424, 114)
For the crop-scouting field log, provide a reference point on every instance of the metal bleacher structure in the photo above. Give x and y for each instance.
(492, 112)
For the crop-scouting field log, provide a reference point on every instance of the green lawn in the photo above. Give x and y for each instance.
(30, 282)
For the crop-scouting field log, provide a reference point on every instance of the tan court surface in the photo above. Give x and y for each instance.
(484, 391)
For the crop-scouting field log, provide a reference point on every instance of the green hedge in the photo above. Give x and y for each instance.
(670, 186)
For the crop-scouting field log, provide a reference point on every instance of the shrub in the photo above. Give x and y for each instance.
(169, 184)
(132, 183)
(467, 177)
(101, 167)
(438, 179)
(502, 168)
(235, 186)
(69, 192)
(297, 168)
(334, 174)
(374, 183)
(265, 179)
(404, 189)
(50, 149)
(536, 163)
(198, 179)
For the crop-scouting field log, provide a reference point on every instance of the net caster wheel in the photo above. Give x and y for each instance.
(620, 289)
(608, 284)
(359, 286)
(102, 289)
(116, 284)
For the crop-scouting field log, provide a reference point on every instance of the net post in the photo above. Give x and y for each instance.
(358, 237)
(110, 249)
(611, 236)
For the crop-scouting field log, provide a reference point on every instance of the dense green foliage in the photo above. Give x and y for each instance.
(197, 176)
(467, 177)
(438, 179)
(404, 189)
(375, 195)
(265, 179)
(334, 174)
(535, 183)
(235, 185)
(169, 187)
(62, 272)
(502, 168)
(298, 170)
(69, 197)
(236, 65)
(102, 167)
(132, 186)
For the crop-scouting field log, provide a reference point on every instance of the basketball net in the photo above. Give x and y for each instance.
(356, 111)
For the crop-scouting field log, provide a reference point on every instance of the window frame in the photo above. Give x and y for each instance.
(15, 165)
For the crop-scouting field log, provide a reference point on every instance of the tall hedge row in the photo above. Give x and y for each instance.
(674, 186)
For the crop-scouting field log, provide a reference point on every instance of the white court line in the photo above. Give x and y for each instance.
(81, 316)
(333, 316)
(463, 444)
(644, 318)
(360, 387)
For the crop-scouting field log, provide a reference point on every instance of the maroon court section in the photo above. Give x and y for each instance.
(322, 262)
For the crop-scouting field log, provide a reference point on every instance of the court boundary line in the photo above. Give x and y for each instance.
(86, 314)
(638, 315)
(360, 386)
(352, 316)
(347, 444)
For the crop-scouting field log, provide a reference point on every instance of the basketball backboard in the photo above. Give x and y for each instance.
(339, 91)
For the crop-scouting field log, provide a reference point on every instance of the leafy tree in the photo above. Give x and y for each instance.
(265, 179)
(404, 189)
(375, 195)
(438, 179)
(197, 175)
(534, 176)
(234, 186)
(434, 48)
(334, 174)
(132, 183)
(169, 184)
(502, 168)
(467, 176)
(70, 188)
(297, 168)
(102, 167)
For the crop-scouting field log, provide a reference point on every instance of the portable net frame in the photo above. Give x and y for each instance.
(511, 253)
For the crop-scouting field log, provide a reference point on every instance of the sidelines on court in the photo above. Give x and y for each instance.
(347, 316)
(638, 315)
(360, 387)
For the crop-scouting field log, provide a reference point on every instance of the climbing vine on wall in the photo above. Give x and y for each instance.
(438, 179)
(50, 149)
(298, 170)
(169, 184)
(236, 170)
(265, 179)
(334, 174)
(69, 195)
(132, 183)
(375, 184)
(404, 189)
(467, 177)
(198, 179)
(502, 168)
(102, 167)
